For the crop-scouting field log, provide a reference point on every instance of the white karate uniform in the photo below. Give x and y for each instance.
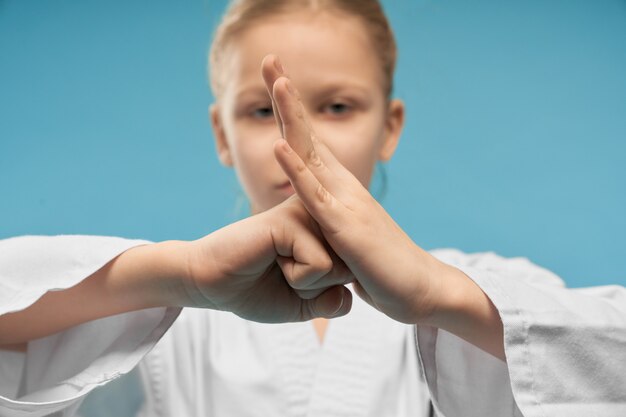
(565, 349)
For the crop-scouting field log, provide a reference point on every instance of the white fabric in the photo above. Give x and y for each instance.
(566, 350)
(30, 266)
(213, 363)
(58, 371)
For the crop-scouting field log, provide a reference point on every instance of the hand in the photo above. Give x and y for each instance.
(393, 274)
(271, 267)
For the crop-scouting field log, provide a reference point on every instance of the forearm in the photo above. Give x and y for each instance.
(465, 311)
(142, 277)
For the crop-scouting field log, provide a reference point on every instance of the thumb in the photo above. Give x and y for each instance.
(334, 302)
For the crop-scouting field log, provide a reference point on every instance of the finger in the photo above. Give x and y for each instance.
(334, 302)
(304, 261)
(287, 265)
(342, 174)
(271, 70)
(272, 300)
(302, 254)
(340, 274)
(296, 128)
(301, 137)
(320, 203)
(310, 294)
(307, 271)
(336, 277)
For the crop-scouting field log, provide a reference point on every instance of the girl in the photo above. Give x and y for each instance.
(494, 336)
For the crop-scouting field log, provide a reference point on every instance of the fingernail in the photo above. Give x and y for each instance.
(279, 66)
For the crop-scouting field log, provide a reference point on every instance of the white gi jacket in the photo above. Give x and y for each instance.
(565, 349)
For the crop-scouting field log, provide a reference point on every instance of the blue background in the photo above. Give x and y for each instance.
(515, 138)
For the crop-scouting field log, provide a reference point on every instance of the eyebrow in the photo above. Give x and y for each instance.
(256, 91)
(334, 87)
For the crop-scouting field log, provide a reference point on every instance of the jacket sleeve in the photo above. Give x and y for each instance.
(58, 371)
(565, 348)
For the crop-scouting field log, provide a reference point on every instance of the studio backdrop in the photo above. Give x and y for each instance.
(515, 140)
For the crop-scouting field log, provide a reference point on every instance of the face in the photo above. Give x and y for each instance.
(329, 58)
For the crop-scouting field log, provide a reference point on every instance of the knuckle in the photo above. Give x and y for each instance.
(299, 113)
(326, 265)
(314, 159)
(322, 194)
(296, 279)
(297, 284)
(300, 168)
(288, 273)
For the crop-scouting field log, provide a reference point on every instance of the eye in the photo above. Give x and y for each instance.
(262, 113)
(337, 109)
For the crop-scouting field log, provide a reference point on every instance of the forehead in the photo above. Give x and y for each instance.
(315, 47)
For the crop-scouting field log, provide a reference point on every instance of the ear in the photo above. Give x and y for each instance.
(393, 128)
(221, 144)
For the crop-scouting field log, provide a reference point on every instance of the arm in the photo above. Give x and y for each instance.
(466, 311)
(134, 280)
(250, 268)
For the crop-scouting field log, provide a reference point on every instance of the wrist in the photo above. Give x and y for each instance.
(201, 269)
(464, 310)
(450, 294)
(152, 275)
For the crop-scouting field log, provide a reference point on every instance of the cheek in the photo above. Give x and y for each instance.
(359, 160)
(251, 145)
(255, 165)
(252, 160)
(356, 147)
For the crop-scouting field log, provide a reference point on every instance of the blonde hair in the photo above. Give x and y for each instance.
(242, 13)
